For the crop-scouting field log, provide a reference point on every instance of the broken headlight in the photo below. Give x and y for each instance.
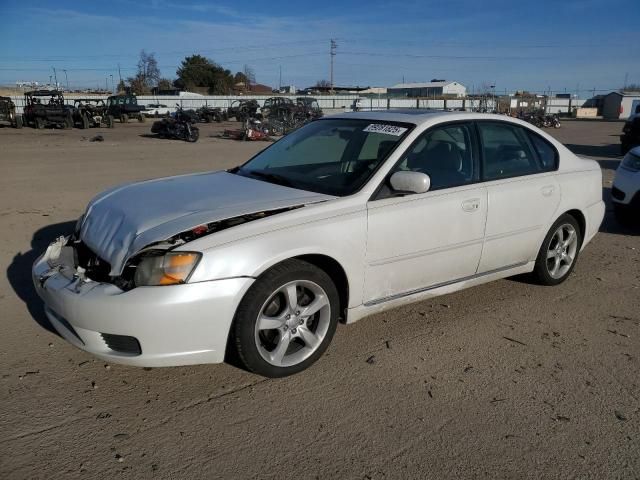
(170, 268)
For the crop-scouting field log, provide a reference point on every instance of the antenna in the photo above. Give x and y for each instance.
(332, 53)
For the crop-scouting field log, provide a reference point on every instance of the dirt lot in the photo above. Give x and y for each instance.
(506, 380)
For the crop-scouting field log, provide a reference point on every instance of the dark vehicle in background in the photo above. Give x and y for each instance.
(309, 107)
(630, 134)
(89, 112)
(209, 114)
(243, 110)
(180, 126)
(8, 115)
(283, 116)
(46, 108)
(125, 106)
(280, 108)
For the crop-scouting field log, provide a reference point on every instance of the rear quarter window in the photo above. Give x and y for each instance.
(547, 153)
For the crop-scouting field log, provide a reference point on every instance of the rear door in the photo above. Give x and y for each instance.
(523, 192)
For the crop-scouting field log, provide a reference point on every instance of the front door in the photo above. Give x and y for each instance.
(419, 241)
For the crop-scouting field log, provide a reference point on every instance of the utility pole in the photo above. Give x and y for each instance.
(626, 77)
(119, 74)
(111, 83)
(66, 78)
(332, 53)
(55, 76)
(280, 81)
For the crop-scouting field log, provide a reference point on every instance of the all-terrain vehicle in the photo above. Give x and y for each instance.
(310, 107)
(88, 112)
(125, 106)
(45, 108)
(283, 116)
(243, 109)
(210, 114)
(8, 115)
(180, 126)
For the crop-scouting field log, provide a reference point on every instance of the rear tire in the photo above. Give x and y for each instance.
(85, 122)
(124, 118)
(141, 118)
(271, 334)
(559, 252)
(110, 121)
(19, 122)
(39, 123)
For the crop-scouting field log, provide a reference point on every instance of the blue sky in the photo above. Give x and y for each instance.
(514, 44)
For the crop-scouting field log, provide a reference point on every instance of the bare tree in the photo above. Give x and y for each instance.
(323, 84)
(148, 74)
(250, 76)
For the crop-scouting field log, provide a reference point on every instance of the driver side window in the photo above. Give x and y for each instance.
(444, 153)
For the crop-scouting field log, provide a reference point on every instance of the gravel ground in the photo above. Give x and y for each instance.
(505, 380)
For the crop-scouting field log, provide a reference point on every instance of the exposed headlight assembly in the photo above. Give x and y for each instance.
(631, 162)
(170, 268)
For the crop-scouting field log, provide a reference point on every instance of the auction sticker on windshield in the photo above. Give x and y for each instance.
(388, 129)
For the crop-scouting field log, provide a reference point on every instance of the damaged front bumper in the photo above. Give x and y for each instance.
(147, 326)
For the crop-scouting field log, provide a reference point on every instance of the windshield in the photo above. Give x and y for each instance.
(333, 156)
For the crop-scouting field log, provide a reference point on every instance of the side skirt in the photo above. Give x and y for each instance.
(376, 306)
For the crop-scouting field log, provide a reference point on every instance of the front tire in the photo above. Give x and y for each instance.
(286, 320)
(559, 252)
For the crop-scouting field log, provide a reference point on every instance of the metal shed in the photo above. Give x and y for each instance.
(618, 105)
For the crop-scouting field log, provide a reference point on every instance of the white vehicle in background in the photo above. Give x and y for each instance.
(158, 110)
(350, 215)
(625, 192)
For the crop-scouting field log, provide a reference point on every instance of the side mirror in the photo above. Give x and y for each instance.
(410, 182)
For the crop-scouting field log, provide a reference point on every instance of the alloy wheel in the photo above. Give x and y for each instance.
(562, 250)
(292, 323)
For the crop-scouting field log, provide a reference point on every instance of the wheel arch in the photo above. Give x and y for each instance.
(327, 264)
(338, 275)
(580, 218)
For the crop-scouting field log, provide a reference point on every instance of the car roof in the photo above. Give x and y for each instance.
(418, 116)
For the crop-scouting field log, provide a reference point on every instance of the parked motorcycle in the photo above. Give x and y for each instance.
(179, 126)
(553, 121)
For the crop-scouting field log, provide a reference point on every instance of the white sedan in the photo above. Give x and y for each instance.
(625, 192)
(348, 216)
(157, 110)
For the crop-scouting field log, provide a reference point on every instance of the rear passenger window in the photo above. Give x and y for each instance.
(546, 152)
(507, 151)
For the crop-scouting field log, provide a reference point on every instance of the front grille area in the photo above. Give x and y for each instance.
(122, 343)
(617, 193)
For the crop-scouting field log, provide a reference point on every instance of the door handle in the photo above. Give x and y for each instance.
(471, 205)
(547, 190)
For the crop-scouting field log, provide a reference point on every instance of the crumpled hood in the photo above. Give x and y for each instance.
(121, 221)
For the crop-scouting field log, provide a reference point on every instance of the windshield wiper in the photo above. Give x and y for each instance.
(271, 177)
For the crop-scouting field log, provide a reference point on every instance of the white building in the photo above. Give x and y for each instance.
(618, 105)
(434, 88)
